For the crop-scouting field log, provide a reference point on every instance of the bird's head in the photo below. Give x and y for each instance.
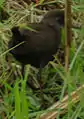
(56, 15)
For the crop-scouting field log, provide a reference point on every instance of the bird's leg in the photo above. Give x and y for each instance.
(39, 76)
(29, 81)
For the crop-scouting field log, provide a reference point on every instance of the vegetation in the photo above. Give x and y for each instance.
(17, 99)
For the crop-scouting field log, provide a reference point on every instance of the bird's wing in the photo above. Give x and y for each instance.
(41, 39)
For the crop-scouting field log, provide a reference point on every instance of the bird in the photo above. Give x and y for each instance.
(40, 42)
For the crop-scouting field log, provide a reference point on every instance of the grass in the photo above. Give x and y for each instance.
(17, 99)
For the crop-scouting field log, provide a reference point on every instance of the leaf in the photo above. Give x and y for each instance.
(1, 2)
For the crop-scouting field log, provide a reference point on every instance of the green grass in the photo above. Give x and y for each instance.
(17, 99)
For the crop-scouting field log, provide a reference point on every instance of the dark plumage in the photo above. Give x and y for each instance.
(39, 44)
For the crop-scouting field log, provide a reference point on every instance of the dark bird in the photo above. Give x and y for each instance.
(41, 43)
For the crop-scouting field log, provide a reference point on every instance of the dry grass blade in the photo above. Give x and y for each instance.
(62, 105)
